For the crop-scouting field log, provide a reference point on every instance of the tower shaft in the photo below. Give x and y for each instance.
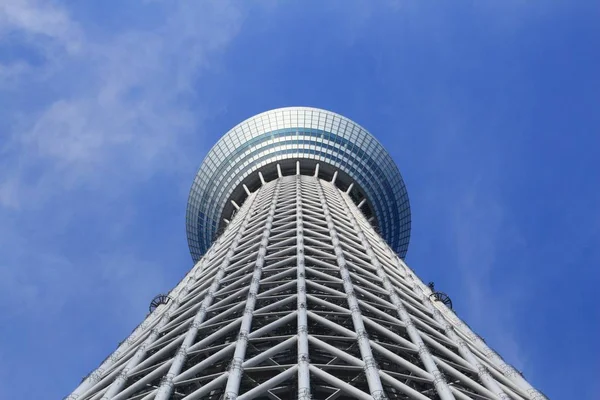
(299, 298)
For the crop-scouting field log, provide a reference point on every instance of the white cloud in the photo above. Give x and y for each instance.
(36, 18)
(120, 101)
(104, 111)
(86, 119)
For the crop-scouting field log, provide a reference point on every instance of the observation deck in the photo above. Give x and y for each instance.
(269, 144)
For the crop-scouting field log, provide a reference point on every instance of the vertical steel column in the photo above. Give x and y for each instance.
(236, 370)
(371, 369)
(303, 355)
(166, 387)
(439, 381)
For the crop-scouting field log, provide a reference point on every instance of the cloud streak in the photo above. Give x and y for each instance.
(93, 117)
(125, 102)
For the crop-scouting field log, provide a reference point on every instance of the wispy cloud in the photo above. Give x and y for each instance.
(35, 18)
(93, 115)
(481, 230)
(476, 227)
(123, 100)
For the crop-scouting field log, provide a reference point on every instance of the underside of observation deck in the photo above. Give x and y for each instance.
(307, 167)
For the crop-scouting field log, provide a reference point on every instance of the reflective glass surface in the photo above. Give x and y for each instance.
(297, 133)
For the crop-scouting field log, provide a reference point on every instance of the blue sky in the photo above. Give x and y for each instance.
(490, 109)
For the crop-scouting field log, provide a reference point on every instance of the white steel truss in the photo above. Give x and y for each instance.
(301, 298)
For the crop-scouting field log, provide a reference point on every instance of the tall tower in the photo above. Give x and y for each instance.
(298, 222)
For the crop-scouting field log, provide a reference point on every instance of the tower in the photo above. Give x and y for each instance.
(298, 222)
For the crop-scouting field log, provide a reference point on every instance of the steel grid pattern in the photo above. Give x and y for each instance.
(289, 134)
(301, 298)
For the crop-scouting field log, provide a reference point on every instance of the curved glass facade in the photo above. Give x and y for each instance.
(297, 133)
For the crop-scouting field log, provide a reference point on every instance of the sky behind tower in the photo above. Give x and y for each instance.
(490, 110)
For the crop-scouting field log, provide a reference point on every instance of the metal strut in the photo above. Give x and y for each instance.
(371, 370)
(439, 381)
(236, 370)
(166, 387)
(304, 392)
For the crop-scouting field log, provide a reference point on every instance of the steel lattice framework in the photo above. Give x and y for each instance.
(299, 298)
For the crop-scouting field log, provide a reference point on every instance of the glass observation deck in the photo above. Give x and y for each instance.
(282, 137)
